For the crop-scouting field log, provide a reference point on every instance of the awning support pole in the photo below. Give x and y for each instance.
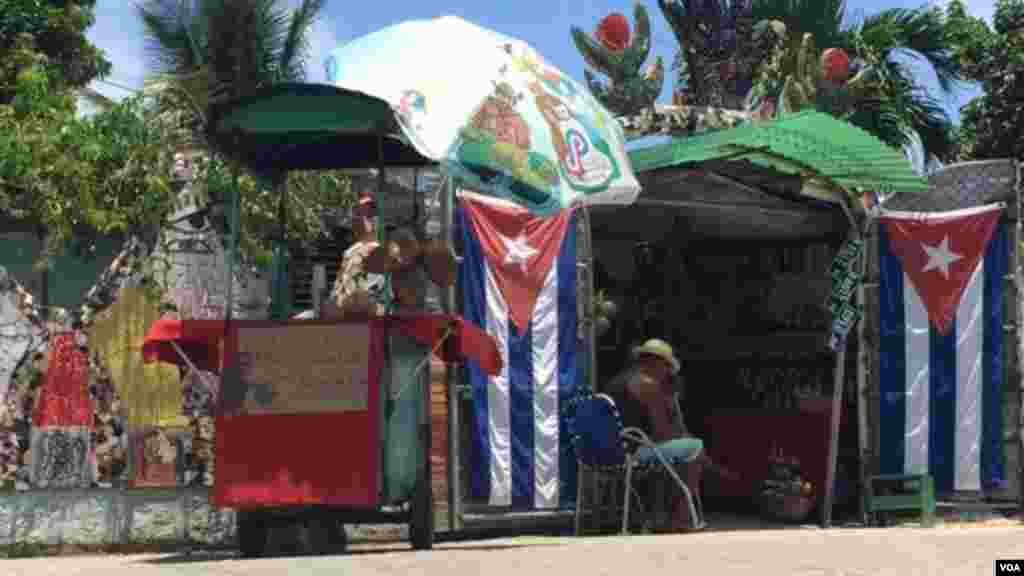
(447, 198)
(863, 362)
(590, 337)
(837, 398)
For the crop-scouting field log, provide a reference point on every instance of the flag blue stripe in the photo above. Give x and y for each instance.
(996, 258)
(474, 307)
(567, 354)
(942, 406)
(892, 360)
(521, 420)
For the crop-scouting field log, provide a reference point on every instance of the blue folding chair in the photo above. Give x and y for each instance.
(602, 445)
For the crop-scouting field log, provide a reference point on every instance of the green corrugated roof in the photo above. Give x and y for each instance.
(814, 144)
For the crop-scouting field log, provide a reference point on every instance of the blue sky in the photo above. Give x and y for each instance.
(544, 24)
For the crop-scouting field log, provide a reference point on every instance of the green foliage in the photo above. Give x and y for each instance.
(308, 198)
(209, 49)
(56, 28)
(79, 178)
(993, 124)
(239, 44)
(883, 97)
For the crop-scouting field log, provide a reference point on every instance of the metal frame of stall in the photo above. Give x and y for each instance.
(314, 146)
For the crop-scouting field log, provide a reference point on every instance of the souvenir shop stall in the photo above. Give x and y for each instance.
(743, 251)
(746, 270)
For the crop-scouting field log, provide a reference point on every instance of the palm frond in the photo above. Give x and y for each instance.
(203, 50)
(296, 44)
(902, 110)
(920, 33)
(169, 42)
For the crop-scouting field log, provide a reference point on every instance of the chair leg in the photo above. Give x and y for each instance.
(579, 498)
(625, 498)
(686, 490)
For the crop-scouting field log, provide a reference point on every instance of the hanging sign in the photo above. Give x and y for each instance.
(843, 262)
(845, 281)
(843, 290)
(844, 321)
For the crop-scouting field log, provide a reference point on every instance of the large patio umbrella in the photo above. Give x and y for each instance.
(492, 112)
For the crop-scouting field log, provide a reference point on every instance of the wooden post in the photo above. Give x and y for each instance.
(837, 396)
(833, 444)
(863, 363)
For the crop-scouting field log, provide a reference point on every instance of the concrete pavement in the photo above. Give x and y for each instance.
(954, 551)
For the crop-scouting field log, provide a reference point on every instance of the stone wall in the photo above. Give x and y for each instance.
(97, 517)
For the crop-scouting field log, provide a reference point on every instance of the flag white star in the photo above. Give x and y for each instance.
(940, 257)
(519, 251)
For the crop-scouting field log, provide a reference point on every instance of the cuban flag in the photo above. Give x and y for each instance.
(518, 279)
(941, 348)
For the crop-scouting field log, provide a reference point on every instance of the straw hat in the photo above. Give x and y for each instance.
(659, 348)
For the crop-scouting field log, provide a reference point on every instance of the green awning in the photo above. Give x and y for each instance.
(815, 145)
(310, 127)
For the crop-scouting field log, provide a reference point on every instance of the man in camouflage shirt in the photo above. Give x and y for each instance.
(357, 291)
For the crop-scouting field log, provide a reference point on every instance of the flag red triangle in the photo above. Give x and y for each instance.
(521, 250)
(940, 255)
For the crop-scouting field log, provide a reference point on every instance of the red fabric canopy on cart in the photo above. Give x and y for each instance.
(200, 340)
(467, 341)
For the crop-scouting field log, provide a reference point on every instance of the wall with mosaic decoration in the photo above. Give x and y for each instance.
(151, 425)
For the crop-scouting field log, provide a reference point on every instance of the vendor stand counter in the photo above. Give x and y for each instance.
(321, 423)
(747, 441)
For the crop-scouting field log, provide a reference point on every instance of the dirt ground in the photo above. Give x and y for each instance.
(951, 549)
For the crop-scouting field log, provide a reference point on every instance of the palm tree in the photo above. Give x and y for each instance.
(202, 50)
(887, 99)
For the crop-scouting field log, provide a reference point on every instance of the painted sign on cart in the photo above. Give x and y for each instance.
(296, 369)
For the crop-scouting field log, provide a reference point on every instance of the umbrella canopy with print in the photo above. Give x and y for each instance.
(491, 111)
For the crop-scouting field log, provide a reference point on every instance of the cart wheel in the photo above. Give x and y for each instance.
(326, 535)
(421, 526)
(337, 538)
(251, 529)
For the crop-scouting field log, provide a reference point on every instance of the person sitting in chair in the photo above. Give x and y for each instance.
(646, 400)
